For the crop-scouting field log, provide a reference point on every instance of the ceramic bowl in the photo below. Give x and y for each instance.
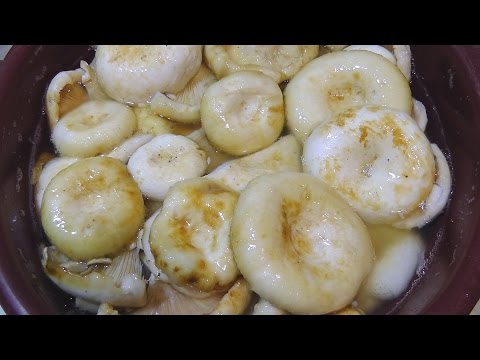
(446, 80)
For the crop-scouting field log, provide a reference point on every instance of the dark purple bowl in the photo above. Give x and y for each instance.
(445, 79)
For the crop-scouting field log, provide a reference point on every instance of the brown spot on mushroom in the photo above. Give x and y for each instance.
(181, 231)
(294, 241)
(290, 211)
(343, 116)
(374, 108)
(399, 138)
(211, 208)
(211, 216)
(332, 166)
(43, 159)
(340, 122)
(192, 279)
(161, 263)
(363, 135)
(389, 126)
(279, 109)
(71, 96)
(302, 245)
(338, 94)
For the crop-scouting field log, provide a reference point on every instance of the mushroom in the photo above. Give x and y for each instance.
(116, 281)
